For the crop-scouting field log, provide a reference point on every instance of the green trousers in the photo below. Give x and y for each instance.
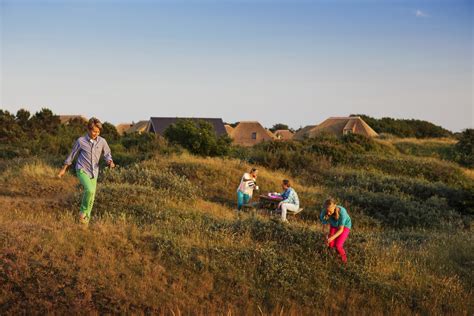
(89, 186)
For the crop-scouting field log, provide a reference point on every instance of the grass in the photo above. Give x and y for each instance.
(165, 239)
(440, 148)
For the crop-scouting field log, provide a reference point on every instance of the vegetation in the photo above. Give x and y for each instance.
(405, 128)
(198, 137)
(165, 238)
(279, 126)
(465, 148)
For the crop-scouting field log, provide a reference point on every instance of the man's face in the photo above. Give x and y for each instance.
(284, 186)
(94, 132)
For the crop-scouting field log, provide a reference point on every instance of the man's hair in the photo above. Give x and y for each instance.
(94, 122)
(287, 183)
(253, 170)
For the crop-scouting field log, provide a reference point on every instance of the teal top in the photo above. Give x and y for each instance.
(344, 219)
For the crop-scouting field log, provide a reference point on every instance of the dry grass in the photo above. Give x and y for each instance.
(199, 257)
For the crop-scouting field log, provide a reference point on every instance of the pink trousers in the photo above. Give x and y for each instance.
(339, 241)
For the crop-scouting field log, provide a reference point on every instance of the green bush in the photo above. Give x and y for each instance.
(400, 210)
(465, 148)
(198, 137)
(406, 128)
(460, 199)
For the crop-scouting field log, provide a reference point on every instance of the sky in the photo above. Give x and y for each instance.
(295, 62)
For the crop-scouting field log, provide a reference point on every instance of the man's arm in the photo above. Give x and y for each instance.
(108, 154)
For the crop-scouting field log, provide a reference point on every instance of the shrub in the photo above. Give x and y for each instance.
(198, 137)
(406, 128)
(460, 199)
(401, 211)
(465, 148)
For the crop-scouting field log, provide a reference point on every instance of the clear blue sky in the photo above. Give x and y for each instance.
(295, 62)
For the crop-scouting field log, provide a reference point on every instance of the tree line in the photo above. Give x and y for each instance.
(24, 134)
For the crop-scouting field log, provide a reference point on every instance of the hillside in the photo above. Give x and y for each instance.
(165, 238)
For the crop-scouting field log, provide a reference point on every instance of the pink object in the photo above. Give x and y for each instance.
(339, 241)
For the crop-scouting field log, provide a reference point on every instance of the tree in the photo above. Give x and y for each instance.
(10, 131)
(465, 148)
(279, 126)
(46, 121)
(405, 128)
(22, 119)
(109, 132)
(198, 137)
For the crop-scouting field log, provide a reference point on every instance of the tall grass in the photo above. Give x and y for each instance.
(165, 239)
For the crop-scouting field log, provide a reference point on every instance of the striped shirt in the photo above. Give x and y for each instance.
(290, 196)
(89, 151)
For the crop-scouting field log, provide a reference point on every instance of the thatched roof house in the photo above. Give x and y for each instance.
(283, 134)
(339, 126)
(229, 129)
(139, 127)
(250, 133)
(65, 119)
(123, 128)
(158, 125)
(302, 133)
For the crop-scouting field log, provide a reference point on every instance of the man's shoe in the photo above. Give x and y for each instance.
(83, 219)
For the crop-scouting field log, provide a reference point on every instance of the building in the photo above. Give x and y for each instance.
(338, 126)
(302, 133)
(249, 133)
(158, 125)
(229, 129)
(283, 134)
(123, 128)
(139, 127)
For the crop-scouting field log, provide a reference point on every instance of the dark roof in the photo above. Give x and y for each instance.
(160, 124)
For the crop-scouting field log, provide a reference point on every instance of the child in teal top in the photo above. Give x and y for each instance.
(344, 219)
(339, 222)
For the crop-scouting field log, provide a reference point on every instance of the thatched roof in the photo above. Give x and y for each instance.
(302, 133)
(139, 127)
(64, 119)
(229, 129)
(283, 134)
(123, 128)
(249, 133)
(158, 125)
(340, 126)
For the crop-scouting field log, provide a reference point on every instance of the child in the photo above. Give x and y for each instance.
(290, 200)
(340, 226)
(246, 187)
(89, 147)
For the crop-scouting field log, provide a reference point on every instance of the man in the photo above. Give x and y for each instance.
(89, 148)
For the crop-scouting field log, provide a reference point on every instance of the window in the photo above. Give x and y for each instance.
(254, 135)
